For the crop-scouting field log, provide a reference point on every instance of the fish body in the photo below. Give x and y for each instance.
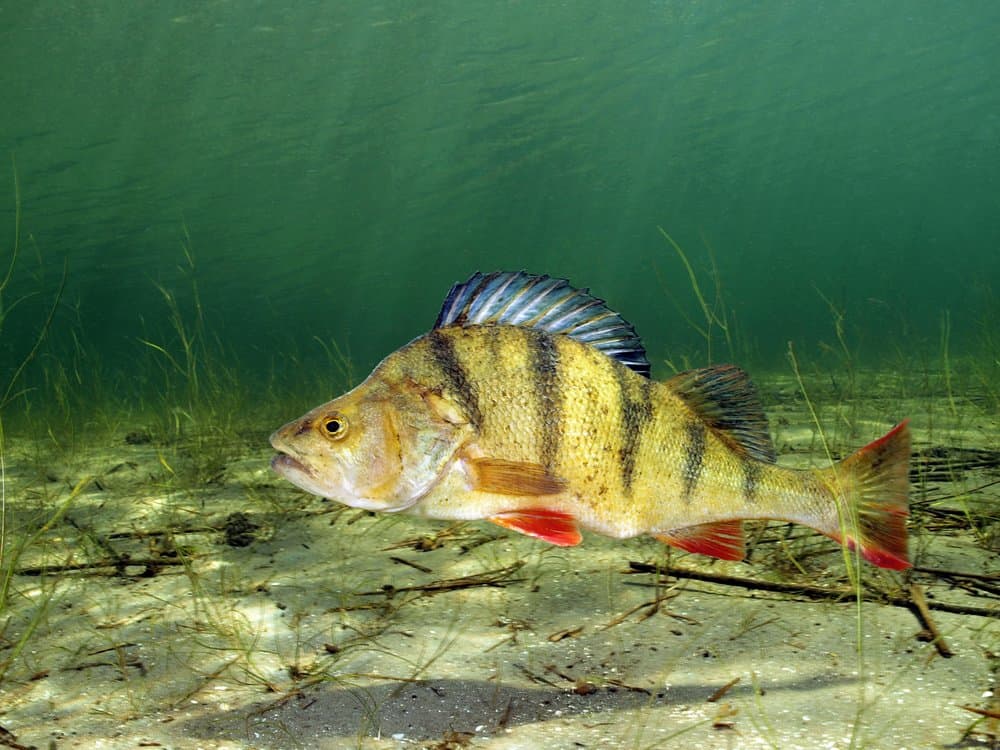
(529, 404)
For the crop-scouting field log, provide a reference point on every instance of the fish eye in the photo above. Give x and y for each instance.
(334, 426)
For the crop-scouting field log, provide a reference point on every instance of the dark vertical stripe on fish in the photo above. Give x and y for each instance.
(751, 477)
(637, 410)
(544, 364)
(443, 352)
(494, 345)
(694, 457)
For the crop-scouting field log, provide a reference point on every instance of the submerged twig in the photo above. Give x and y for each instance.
(651, 607)
(150, 566)
(9, 739)
(415, 566)
(839, 593)
(469, 536)
(561, 635)
(991, 714)
(924, 615)
(499, 577)
(975, 583)
(723, 690)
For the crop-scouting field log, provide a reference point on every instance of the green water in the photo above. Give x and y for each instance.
(335, 167)
(216, 214)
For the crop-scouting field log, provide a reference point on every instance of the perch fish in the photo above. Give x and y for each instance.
(530, 404)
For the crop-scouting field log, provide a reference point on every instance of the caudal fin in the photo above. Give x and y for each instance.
(873, 485)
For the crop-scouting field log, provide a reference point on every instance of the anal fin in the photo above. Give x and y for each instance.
(722, 539)
(551, 526)
(504, 477)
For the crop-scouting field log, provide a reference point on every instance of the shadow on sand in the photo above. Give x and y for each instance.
(331, 714)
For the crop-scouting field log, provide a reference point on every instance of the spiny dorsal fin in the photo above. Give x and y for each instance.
(547, 304)
(727, 400)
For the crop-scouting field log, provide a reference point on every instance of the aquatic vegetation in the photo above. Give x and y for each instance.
(28, 533)
(194, 399)
(716, 313)
(340, 365)
(9, 390)
(986, 366)
(192, 363)
(23, 528)
(843, 370)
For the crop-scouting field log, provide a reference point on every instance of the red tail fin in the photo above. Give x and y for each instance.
(874, 484)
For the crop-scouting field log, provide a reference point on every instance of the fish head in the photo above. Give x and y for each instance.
(377, 447)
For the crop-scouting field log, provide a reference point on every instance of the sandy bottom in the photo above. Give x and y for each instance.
(177, 594)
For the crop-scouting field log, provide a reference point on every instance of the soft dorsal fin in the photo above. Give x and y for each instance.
(727, 400)
(547, 304)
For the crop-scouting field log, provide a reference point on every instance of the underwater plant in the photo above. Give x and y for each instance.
(9, 391)
(193, 392)
(986, 366)
(717, 315)
(15, 539)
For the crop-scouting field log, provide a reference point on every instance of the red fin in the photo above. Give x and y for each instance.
(723, 539)
(512, 477)
(551, 525)
(875, 482)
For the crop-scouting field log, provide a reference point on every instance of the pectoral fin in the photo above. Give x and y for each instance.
(550, 525)
(512, 477)
(723, 539)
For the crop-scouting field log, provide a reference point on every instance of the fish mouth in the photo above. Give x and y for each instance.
(303, 477)
(284, 463)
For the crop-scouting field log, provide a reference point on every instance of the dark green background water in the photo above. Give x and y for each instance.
(339, 164)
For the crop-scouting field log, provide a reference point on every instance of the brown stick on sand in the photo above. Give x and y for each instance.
(923, 613)
(833, 593)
